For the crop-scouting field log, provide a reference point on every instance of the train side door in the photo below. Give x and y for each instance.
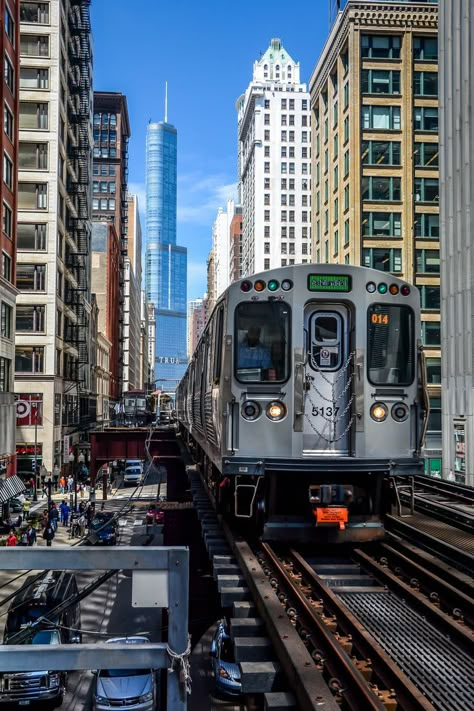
(328, 377)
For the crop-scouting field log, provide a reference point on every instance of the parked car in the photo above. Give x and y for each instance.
(103, 528)
(155, 513)
(226, 670)
(15, 506)
(127, 688)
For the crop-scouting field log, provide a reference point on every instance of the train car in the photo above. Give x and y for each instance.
(306, 400)
(137, 410)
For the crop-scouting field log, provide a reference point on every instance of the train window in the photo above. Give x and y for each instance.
(262, 342)
(390, 345)
(326, 342)
(218, 336)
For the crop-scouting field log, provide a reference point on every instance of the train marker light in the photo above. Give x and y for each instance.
(393, 289)
(251, 410)
(276, 411)
(400, 412)
(273, 285)
(405, 290)
(246, 286)
(382, 288)
(259, 285)
(379, 411)
(286, 284)
(371, 287)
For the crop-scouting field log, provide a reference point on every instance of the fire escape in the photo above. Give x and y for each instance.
(78, 187)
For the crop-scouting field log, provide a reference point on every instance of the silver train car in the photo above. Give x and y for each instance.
(305, 400)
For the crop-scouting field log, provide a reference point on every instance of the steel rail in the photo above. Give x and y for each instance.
(437, 589)
(408, 696)
(461, 634)
(354, 687)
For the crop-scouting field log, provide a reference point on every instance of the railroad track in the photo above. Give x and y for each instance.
(445, 501)
(386, 630)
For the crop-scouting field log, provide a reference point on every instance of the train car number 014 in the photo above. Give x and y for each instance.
(324, 411)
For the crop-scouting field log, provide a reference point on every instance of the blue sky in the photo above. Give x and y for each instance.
(206, 53)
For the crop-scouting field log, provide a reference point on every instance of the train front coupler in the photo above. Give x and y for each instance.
(330, 504)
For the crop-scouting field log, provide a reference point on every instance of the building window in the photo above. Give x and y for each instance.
(266, 215)
(425, 83)
(29, 359)
(8, 122)
(266, 151)
(31, 277)
(426, 225)
(385, 260)
(381, 224)
(384, 189)
(266, 248)
(266, 167)
(33, 116)
(7, 171)
(381, 152)
(30, 319)
(9, 74)
(426, 155)
(6, 266)
(34, 78)
(266, 136)
(346, 163)
(346, 95)
(380, 81)
(31, 237)
(33, 156)
(266, 103)
(425, 49)
(346, 129)
(430, 297)
(433, 371)
(32, 196)
(5, 320)
(34, 12)
(381, 118)
(9, 26)
(266, 264)
(5, 377)
(266, 199)
(427, 261)
(266, 119)
(427, 189)
(431, 333)
(380, 47)
(34, 45)
(425, 118)
(7, 225)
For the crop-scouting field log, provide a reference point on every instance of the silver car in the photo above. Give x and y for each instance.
(127, 688)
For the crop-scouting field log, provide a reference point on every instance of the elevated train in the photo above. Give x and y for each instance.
(305, 400)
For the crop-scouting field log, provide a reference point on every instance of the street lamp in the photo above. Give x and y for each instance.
(73, 500)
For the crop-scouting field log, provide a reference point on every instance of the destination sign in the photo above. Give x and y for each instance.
(330, 282)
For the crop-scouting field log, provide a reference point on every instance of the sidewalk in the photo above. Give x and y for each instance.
(62, 536)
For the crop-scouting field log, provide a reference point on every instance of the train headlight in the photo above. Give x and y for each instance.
(382, 288)
(276, 411)
(379, 411)
(259, 285)
(371, 287)
(273, 285)
(400, 412)
(286, 284)
(405, 290)
(393, 289)
(251, 410)
(246, 286)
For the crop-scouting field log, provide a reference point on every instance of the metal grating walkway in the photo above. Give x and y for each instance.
(443, 672)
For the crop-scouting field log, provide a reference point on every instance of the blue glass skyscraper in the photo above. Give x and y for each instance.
(166, 263)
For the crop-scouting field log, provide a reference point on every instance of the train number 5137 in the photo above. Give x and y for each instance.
(325, 411)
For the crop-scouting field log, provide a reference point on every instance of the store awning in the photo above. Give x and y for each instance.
(10, 487)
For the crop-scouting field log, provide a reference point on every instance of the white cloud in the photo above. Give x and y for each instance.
(199, 197)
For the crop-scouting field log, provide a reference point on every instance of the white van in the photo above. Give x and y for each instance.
(133, 474)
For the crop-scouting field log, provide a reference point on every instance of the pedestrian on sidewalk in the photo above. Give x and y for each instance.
(53, 516)
(24, 539)
(70, 484)
(44, 519)
(48, 534)
(31, 535)
(12, 539)
(26, 509)
(62, 484)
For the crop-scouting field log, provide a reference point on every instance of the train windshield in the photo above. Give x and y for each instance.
(390, 345)
(262, 342)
